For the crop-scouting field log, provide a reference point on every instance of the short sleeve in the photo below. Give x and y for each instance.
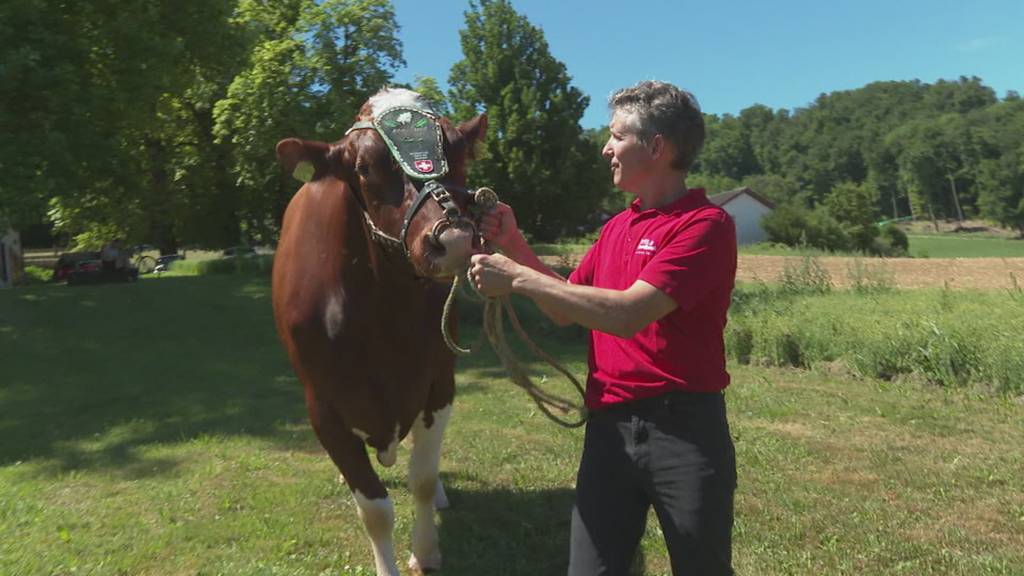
(699, 258)
(583, 275)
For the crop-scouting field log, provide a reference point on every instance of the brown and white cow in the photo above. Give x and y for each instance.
(359, 313)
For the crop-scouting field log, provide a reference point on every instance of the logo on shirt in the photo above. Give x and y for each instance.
(646, 247)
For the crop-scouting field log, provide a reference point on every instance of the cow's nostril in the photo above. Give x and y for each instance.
(435, 241)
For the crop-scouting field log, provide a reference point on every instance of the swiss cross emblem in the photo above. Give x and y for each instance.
(424, 165)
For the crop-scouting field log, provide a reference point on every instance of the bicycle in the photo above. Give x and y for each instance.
(144, 263)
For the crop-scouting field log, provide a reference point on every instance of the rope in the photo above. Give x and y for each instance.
(446, 314)
(493, 329)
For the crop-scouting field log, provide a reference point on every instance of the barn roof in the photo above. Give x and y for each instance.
(723, 198)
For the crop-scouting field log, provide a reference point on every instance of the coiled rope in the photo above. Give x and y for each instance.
(547, 402)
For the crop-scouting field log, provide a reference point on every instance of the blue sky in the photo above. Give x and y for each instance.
(733, 54)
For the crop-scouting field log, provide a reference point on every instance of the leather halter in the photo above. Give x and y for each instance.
(428, 186)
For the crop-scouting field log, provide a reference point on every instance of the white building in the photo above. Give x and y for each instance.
(747, 208)
(11, 266)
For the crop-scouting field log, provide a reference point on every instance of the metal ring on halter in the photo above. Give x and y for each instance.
(485, 198)
(440, 226)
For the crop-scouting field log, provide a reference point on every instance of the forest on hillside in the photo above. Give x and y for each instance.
(156, 121)
(952, 149)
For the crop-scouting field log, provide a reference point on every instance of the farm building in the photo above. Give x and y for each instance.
(747, 208)
(10, 257)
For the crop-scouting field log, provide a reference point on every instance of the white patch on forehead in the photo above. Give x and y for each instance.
(392, 97)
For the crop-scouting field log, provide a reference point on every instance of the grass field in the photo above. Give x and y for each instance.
(921, 246)
(157, 429)
(953, 246)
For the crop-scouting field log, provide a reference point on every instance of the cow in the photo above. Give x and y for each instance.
(368, 248)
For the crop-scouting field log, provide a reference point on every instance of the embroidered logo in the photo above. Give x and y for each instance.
(646, 247)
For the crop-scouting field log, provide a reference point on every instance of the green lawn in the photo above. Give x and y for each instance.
(952, 246)
(157, 429)
(921, 246)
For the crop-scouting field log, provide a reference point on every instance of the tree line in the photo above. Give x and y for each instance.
(156, 120)
(888, 150)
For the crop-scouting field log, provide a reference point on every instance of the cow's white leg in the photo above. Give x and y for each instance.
(378, 518)
(440, 498)
(424, 484)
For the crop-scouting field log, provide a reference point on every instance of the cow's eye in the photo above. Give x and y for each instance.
(363, 168)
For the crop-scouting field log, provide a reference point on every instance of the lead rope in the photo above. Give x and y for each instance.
(493, 329)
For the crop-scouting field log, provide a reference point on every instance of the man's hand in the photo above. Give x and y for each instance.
(492, 275)
(499, 227)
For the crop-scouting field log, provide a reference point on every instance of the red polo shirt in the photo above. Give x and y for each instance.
(688, 251)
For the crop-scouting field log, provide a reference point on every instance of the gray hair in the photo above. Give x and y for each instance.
(655, 107)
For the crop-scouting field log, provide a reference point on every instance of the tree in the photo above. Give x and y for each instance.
(727, 151)
(1000, 173)
(311, 66)
(427, 87)
(535, 154)
(84, 88)
(854, 207)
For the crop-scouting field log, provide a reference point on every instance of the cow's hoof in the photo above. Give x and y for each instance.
(426, 566)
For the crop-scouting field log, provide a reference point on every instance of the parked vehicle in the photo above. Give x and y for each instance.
(69, 261)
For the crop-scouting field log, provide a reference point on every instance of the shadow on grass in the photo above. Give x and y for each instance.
(533, 538)
(92, 373)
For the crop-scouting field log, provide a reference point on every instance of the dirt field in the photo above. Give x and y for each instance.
(959, 273)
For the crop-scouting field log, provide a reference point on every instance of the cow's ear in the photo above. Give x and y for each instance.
(474, 130)
(306, 160)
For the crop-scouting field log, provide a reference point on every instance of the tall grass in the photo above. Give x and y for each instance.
(952, 338)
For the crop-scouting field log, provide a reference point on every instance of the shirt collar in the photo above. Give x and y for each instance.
(693, 198)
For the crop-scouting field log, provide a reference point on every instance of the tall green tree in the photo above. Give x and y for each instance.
(1000, 173)
(84, 88)
(536, 156)
(854, 206)
(311, 65)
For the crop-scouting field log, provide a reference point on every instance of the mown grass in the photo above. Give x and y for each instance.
(157, 428)
(953, 246)
(921, 246)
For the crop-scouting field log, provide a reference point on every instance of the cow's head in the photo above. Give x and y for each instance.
(421, 211)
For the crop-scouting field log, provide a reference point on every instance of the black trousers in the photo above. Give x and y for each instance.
(674, 453)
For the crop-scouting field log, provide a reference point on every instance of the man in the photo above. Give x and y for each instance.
(654, 290)
(110, 256)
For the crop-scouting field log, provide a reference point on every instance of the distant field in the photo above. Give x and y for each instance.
(952, 246)
(921, 246)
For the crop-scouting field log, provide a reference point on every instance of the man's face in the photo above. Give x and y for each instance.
(630, 159)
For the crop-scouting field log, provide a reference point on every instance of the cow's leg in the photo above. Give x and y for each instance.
(440, 498)
(375, 507)
(425, 485)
